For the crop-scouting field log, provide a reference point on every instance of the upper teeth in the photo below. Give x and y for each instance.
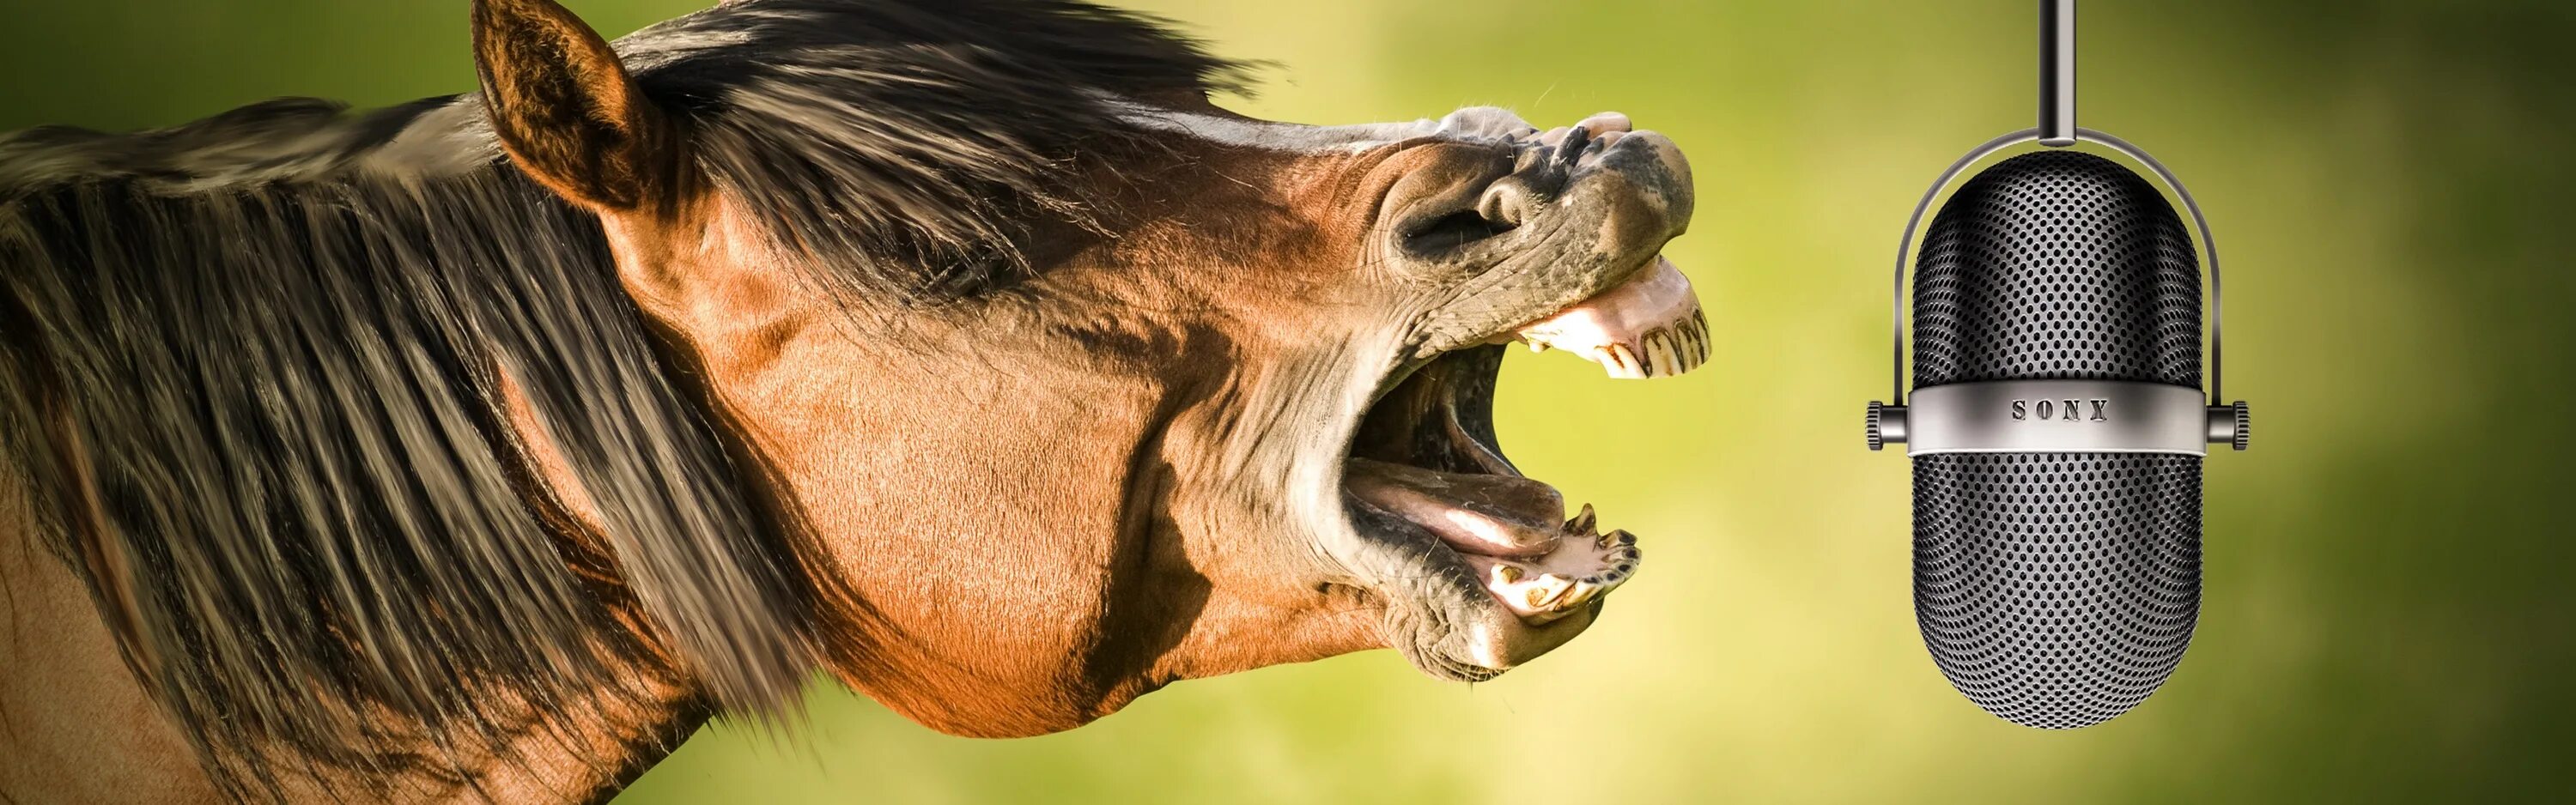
(1647, 326)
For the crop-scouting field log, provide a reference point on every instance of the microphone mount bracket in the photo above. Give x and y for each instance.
(2222, 423)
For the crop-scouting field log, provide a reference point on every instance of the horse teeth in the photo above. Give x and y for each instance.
(1623, 362)
(1699, 344)
(1507, 573)
(1580, 594)
(1660, 356)
(1649, 325)
(1551, 588)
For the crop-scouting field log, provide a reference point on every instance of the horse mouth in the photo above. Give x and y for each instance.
(1425, 470)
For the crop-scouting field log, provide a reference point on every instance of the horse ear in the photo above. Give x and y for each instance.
(566, 110)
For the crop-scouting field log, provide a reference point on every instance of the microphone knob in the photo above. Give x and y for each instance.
(2231, 425)
(1886, 425)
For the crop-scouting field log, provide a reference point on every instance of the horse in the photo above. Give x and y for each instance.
(963, 352)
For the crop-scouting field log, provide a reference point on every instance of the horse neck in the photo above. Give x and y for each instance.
(68, 682)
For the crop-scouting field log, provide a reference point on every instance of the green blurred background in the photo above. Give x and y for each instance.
(2387, 615)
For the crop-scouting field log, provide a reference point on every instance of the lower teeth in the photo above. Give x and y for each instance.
(1585, 566)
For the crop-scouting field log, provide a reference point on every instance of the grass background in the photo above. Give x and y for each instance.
(2387, 614)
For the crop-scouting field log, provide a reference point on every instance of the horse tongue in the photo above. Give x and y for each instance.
(1647, 326)
(1485, 515)
(1505, 528)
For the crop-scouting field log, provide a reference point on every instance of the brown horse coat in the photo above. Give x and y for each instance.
(484, 447)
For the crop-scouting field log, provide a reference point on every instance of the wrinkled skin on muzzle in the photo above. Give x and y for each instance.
(1587, 205)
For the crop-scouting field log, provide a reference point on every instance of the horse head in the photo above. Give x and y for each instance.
(1104, 386)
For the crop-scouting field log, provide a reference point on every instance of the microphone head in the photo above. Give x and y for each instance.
(2057, 589)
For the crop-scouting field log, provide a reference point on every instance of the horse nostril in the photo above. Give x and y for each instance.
(1571, 148)
(1503, 207)
(1449, 232)
(1506, 204)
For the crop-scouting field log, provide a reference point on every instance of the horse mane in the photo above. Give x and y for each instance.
(256, 367)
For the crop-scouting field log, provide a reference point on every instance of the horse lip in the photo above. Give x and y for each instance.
(1623, 154)
(1648, 172)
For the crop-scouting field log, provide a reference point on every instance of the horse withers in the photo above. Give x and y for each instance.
(483, 447)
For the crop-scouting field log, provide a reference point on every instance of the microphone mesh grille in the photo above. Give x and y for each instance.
(2057, 265)
(2056, 589)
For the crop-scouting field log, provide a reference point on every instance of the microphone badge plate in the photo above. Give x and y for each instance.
(2056, 416)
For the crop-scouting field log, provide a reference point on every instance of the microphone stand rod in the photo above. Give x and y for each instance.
(2057, 73)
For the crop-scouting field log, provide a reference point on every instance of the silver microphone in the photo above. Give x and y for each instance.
(2057, 423)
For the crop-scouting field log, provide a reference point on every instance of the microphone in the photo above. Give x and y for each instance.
(2057, 425)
